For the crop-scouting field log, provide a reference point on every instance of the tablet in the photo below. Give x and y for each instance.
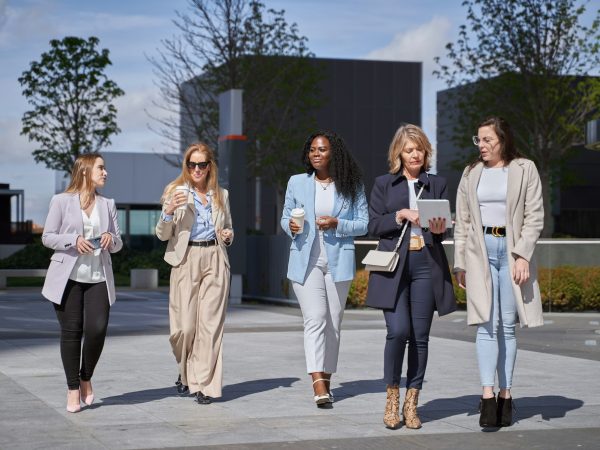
(432, 209)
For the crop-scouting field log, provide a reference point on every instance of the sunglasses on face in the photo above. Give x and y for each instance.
(201, 165)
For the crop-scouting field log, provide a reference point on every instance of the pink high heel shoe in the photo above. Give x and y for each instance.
(72, 408)
(89, 398)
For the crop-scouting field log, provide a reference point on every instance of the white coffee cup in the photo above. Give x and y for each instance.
(298, 218)
(186, 191)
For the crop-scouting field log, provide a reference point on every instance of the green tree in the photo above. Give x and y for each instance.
(529, 61)
(72, 102)
(238, 44)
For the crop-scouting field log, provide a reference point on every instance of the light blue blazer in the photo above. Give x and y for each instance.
(339, 243)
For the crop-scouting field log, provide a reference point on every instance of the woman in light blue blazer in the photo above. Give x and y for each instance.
(82, 229)
(321, 264)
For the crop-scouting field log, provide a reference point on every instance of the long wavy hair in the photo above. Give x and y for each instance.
(508, 148)
(343, 169)
(81, 180)
(408, 133)
(185, 177)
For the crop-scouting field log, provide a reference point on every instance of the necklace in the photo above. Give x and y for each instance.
(324, 185)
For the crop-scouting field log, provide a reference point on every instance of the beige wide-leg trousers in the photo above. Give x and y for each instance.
(197, 304)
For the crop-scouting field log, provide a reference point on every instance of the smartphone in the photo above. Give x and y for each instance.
(95, 242)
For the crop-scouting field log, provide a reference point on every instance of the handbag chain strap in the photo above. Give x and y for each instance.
(404, 227)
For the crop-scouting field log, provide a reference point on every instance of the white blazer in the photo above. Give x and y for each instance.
(63, 226)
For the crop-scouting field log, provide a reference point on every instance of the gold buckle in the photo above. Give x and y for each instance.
(495, 232)
(416, 243)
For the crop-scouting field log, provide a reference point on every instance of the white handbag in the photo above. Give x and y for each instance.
(385, 261)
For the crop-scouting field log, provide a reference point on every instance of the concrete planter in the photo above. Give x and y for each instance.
(144, 278)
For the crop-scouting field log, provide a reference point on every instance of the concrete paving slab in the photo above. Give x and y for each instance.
(267, 397)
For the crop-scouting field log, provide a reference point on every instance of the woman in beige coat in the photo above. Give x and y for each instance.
(499, 217)
(197, 223)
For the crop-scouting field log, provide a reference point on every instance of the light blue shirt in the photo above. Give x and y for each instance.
(203, 228)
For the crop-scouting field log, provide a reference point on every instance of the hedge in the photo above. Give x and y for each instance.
(563, 288)
(36, 256)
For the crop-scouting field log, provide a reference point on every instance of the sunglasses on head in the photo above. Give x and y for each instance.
(201, 165)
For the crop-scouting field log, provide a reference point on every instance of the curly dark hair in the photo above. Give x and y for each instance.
(343, 169)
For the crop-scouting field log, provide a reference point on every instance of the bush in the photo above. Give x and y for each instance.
(358, 290)
(562, 288)
(570, 288)
(32, 256)
(36, 256)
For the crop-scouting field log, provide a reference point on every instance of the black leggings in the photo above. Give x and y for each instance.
(84, 310)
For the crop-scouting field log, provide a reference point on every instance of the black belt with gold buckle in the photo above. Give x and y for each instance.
(202, 243)
(495, 231)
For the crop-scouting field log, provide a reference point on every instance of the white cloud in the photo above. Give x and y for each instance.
(14, 148)
(422, 43)
(18, 24)
(419, 44)
(133, 120)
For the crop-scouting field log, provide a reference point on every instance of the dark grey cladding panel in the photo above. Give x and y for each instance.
(365, 102)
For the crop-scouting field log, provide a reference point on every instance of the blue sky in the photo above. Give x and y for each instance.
(411, 30)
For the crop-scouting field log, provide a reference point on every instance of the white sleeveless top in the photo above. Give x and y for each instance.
(324, 202)
(491, 193)
(88, 268)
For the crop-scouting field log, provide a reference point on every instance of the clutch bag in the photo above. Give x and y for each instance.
(380, 261)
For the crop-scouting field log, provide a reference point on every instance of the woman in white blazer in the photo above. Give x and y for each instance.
(196, 222)
(499, 217)
(82, 229)
(321, 264)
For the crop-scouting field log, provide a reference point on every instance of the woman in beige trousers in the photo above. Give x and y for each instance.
(196, 222)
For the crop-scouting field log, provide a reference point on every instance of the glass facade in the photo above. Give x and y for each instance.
(137, 226)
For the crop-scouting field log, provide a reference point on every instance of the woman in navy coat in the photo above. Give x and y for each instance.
(421, 282)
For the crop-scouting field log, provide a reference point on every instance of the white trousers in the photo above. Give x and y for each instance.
(322, 302)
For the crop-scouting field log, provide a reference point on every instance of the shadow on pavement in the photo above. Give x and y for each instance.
(547, 406)
(234, 391)
(358, 387)
(230, 392)
(136, 397)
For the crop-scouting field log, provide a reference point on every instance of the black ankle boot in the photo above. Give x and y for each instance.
(488, 410)
(504, 413)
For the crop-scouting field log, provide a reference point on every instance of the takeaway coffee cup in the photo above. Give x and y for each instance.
(185, 190)
(298, 217)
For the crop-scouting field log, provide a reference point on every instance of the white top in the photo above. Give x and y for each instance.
(324, 201)
(88, 268)
(412, 197)
(491, 193)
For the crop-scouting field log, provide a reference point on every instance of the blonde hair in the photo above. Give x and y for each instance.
(404, 134)
(185, 177)
(80, 183)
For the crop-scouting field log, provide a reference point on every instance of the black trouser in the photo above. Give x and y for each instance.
(83, 313)
(410, 321)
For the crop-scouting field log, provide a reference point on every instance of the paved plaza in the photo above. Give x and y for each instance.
(267, 398)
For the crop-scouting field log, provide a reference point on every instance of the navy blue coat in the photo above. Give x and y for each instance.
(390, 194)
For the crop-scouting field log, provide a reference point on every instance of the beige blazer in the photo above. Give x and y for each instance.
(178, 230)
(524, 223)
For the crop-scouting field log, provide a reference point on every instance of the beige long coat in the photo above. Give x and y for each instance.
(524, 223)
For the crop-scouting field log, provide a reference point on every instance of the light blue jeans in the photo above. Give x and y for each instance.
(496, 343)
